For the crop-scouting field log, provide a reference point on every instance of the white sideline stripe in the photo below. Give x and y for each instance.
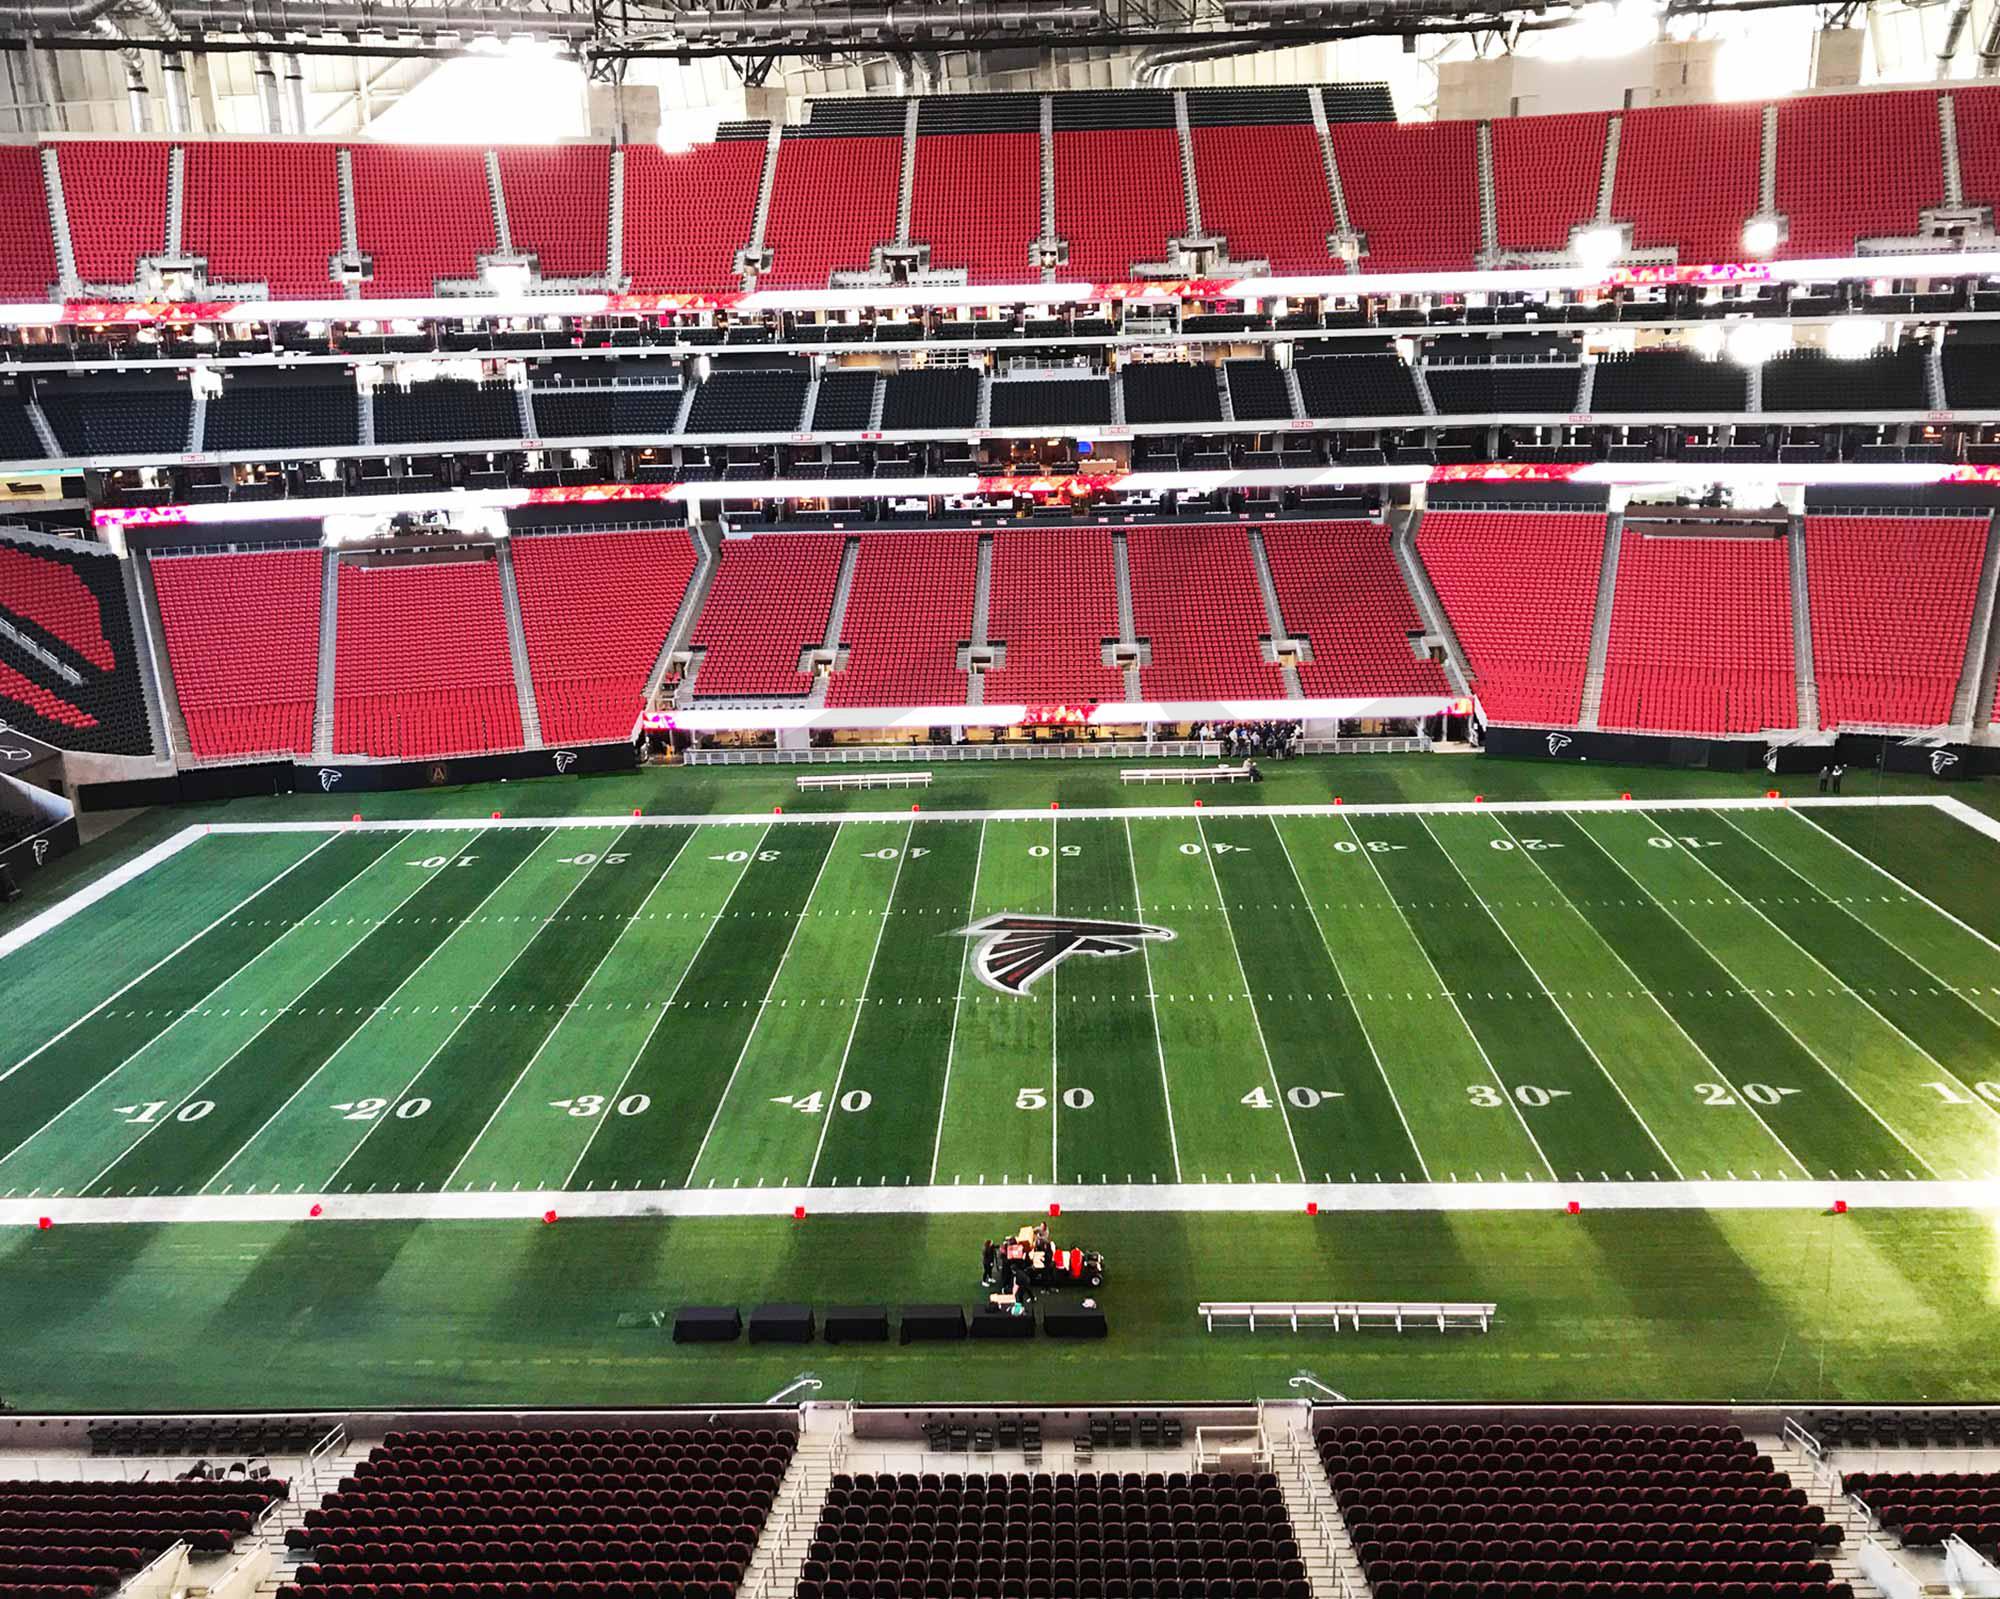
(1112, 813)
(1015, 1199)
(108, 884)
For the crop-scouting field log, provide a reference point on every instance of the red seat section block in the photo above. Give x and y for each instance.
(55, 598)
(421, 664)
(595, 608)
(1195, 598)
(1413, 191)
(559, 206)
(687, 214)
(266, 213)
(1892, 601)
(243, 639)
(1119, 198)
(27, 247)
(1545, 176)
(115, 192)
(1978, 115)
(768, 602)
(908, 611)
(78, 1538)
(1856, 166)
(1660, 153)
(422, 214)
(1521, 590)
(42, 701)
(1701, 637)
(1264, 190)
(1338, 585)
(976, 200)
(833, 199)
(1053, 603)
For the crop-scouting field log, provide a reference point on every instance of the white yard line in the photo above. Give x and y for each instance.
(1858, 922)
(958, 1000)
(1055, 1013)
(563, 1020)
(202, 1003)
(1757, 998)
(1305, 896)
(639, 1054)
(1506, 1088)
(424, 879)
(1878, 867)
(1243, 977)
(148, 972)
(805, 910)
(102, 888)
(1549, 994)
(1153, 1007)
(1707, 1059)
(860, 1005)
(986, 1199)
(388, 1111)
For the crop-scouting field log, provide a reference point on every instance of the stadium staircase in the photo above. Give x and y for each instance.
(982, 616)
(1822, 1488)
(156, 673)
(1600, 627)
(787, 1537)
(676, 641)
(517, 648)
(318, 1476)
(1128, 632)
(1332, 1567)
(1802, 650)
(1437, 626)
(1273, 615)
(329, 616)
(1975, 684)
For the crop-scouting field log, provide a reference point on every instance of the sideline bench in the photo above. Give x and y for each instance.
(866, 780)
(1189, 774)
(1358, 1313)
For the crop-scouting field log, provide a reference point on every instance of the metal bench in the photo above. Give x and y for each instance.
(1190, 774)
(866, 780)
(1445, 1315)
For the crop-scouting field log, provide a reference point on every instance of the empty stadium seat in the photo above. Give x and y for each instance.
(421, 662)
(1054, 603)
(768, 400)
(936, 398)
(446, 409)
(115, 194)
(768, 601)
(1856, 166)
(603, 411)
(1357, 385)
(1546, 172)
(422, 214)
(1195, 599)
(1051, 402)
(27, 245)
(72, 605)
(688, 213)
(595, 609)
(1263, 189)
(1257, 391)
(1412, 192)
(1701, 636)
(976, 200)
(283, 411)
(1924, 1508)
(242, 636)
(1666, 381)
(1659, 148)
(1338, 585)
(1119, 194)
(1892, 600)
(833, 200)
(264, 211)
(1171, 391)
(1520, 590)
(92, 415)
(559, 206)
(908, 610)
(842, 403)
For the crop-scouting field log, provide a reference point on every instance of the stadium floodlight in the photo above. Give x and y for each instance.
(1855, 338)
(1708, 340)
(1597, 248)
(1754, 343)
(1760, 236)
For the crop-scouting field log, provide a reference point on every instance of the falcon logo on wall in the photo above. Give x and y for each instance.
(1014, 950)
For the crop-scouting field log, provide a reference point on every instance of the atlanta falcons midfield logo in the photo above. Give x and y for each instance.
(1015, 950)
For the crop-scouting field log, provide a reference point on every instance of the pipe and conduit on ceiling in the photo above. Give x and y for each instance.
(1989, 47)
(280, 17)
(927, 16)
(1155, 68)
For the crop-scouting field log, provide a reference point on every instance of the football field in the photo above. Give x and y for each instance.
(1406, 1007)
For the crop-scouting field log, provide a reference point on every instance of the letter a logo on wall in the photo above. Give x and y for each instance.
(1942, 761)
(1558, 742)
(327, 778)
(1015, 950)
(565, 759)
(41, 850)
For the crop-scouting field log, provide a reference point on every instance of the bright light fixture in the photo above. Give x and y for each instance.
(1854, 338)
(1708, 340)
(1754, 343)
(1760, 236)
(1597, 248)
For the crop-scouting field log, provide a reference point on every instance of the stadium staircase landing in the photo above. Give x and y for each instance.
(787, 1536)
(311, 1481)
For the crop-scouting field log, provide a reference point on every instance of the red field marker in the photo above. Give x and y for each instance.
(357, 816)
(915, 807)
(1626, 795)
(635, 810)
(1771, 793)
(1055, 1209)
(1479, 799)
(496, 816)
(548, 1218)
(777, 810)
(1574, 1208)
(798, 1213)
(316, 1211)
(44, 1223)
(1312, 1207)
(1336, 799)
(1840, 1207)
(1055, 805)
(1197, 804)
